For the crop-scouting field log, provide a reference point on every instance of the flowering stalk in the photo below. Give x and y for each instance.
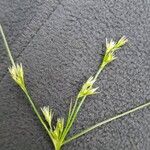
(17, 74)
(59, 132)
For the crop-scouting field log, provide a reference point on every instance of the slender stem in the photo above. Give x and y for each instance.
(106, 121)
(72, 119)
(6, 45)
(73, 110)
(97, 74)
(24, 88)
(76, 110)
(69, 119)
(74, 107)
(36, 112)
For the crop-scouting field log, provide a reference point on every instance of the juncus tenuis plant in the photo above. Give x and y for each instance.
(59, 132)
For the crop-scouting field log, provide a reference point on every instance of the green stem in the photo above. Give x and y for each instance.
(67, 129)
(69, 119)
(72, 113)
(24, 88)
(80, 104)
(57, 146)
(106, 121)
(36, 112)
(6, 45)
(97, 74)
(76, 110)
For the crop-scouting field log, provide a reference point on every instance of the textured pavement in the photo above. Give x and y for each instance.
(61, 43)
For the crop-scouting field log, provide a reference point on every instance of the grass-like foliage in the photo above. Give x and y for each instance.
(58, 132)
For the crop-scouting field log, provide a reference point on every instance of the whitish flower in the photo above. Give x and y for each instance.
(111, 47)
(87, 88)
(48, 114)
(17, 74)
(56, 131)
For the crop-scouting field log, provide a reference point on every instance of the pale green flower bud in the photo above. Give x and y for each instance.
(121, 42)
(48, 114)
(111, 47)
(17, 74)
(60, 124)
(108, 58)
(58, 129)
(87, 88)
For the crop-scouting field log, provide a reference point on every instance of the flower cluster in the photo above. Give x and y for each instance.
(17, 74)
(56, 131)
(48, 114)
(111, 47)
(87, 88)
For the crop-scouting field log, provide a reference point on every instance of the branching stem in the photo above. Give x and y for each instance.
(109, 57)
(76, 109)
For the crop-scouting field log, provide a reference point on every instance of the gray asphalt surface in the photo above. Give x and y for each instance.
(60, 43)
